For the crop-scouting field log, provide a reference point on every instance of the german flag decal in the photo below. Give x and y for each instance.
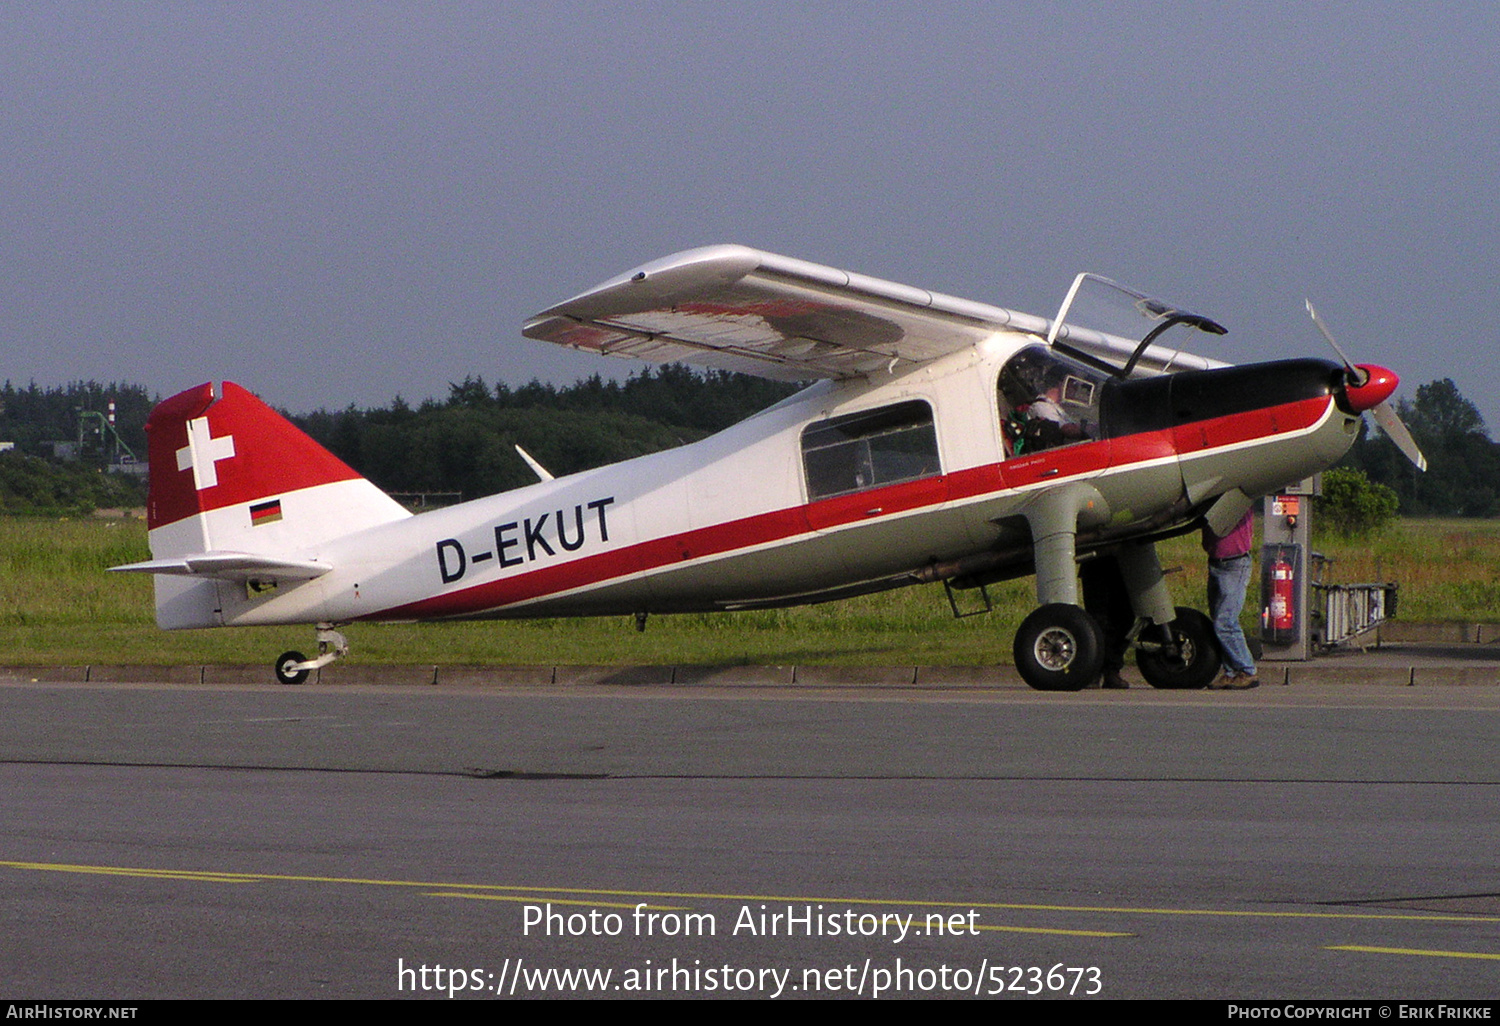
(265, 512)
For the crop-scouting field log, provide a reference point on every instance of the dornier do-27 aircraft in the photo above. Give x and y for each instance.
(941, 440)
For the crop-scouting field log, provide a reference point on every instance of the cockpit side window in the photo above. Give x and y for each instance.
(1047, 400)
(866, 450)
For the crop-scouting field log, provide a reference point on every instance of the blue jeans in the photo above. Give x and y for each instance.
(1227, 581)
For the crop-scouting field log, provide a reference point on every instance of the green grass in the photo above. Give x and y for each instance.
(58, 606)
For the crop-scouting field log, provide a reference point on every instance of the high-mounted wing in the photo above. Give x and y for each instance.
(740, 309)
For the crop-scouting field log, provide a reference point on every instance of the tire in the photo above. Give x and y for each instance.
(1200, 659)
(284, 672)
(1059, 648)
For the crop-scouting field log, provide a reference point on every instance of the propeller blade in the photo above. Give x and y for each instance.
(1390, 423)
(1355, 375)
(1384, 413)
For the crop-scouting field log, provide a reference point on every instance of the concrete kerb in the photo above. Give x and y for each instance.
(635, 676)
(1402, 669)
(854, 676)
(1392, 675)
(144, 674)
(968, 677)
(492, 676)
(238, 674)
(538, 676)
(40, 674)
(747, 676)
(410, 676)
(1291, 674)
(1437, 633)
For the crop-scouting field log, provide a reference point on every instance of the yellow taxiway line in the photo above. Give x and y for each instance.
(590, 896)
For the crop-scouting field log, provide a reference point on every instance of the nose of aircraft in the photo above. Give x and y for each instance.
(1376, 388)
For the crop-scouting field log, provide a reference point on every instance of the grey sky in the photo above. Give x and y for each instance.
(334, 203)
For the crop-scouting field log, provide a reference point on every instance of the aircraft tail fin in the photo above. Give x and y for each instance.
(239, 493)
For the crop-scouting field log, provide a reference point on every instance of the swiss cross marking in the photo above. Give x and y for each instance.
(203, 452)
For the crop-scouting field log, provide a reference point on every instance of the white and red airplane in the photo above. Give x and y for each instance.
(942, 440)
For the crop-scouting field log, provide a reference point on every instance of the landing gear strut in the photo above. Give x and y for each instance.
(294, 667)
(1061, 647)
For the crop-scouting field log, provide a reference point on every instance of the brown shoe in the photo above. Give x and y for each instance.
(1235, 682)
(1114, 681)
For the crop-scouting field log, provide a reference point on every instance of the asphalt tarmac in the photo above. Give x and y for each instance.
(1310, 841)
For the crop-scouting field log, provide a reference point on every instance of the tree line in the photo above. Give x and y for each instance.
(464, 443)
(34, 417)
(34, 481)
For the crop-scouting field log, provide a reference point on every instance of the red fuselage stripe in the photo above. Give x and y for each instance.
(783, 524)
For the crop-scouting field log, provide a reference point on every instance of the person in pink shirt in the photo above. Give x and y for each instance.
(1228, 577)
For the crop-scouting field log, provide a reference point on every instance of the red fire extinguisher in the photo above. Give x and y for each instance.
(1283, 616)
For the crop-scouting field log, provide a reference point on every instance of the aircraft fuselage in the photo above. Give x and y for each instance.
(847, 486)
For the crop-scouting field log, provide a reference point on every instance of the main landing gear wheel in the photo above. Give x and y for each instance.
(1059, 648)
(284, 672)
(1197, 661)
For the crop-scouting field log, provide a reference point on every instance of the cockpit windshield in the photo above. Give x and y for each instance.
(1118, 329)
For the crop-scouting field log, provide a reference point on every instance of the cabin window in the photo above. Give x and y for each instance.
(870, 449)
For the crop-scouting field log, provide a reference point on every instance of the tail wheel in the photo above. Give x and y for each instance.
(285, 674)
(1059, 648)
(1197, 662)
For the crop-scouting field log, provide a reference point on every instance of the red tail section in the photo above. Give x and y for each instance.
(208, 453)
(231, 475)
(241, 498)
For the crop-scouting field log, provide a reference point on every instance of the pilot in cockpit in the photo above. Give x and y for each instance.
(1037, 418)
(1045, 402)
